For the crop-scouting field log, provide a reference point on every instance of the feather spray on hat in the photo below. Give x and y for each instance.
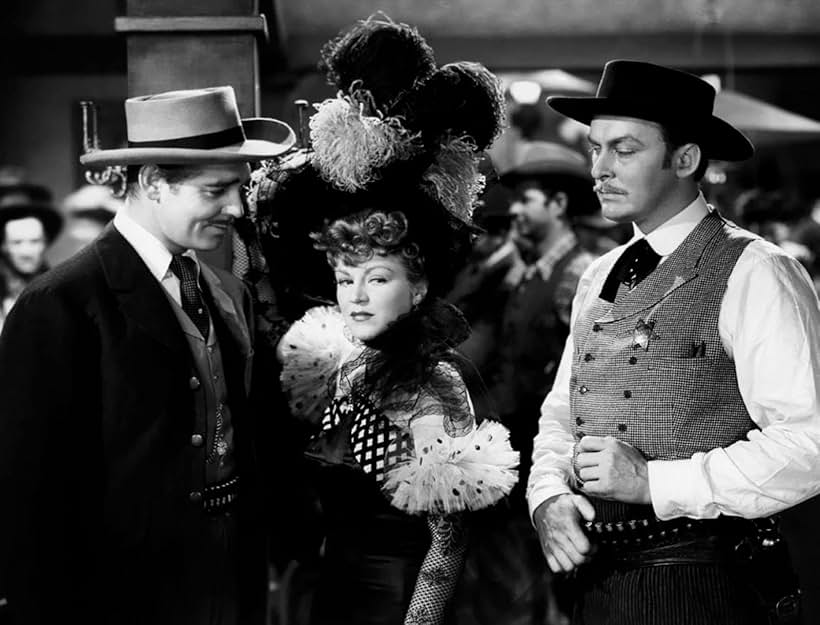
(399, 126)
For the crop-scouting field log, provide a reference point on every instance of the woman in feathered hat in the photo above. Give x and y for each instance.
(400, 455)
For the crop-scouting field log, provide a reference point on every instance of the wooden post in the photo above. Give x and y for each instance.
(188, 44)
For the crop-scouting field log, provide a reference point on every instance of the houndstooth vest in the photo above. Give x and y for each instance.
(650, 368)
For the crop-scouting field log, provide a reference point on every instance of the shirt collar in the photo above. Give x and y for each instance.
(152, 252)
(666, 238)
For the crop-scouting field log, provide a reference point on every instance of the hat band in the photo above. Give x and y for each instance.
(209, 141)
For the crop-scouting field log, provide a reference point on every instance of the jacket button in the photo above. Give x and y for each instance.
(596, 327)
(578, 420)
(197, 440)
(195, 496)
(633, 360)
(628, 394)
(193, 383)
(583, 390)
(588, 357)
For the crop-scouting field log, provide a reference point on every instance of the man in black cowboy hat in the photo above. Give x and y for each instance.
(126, 459)
(26, 232)
(687, 398)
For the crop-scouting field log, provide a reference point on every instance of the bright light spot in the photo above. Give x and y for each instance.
(525, 91)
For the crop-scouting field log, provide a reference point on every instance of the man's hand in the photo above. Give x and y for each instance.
(611, 469)
(559, 530)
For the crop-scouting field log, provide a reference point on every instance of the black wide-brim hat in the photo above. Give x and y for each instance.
(669, 97)
(51, 219)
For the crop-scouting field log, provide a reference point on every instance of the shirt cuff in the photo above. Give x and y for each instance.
(678, 488)
(538, 495)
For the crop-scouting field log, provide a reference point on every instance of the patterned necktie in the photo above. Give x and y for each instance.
(637, 262)
(184, 268)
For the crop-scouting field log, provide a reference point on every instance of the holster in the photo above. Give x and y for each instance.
(764, 559)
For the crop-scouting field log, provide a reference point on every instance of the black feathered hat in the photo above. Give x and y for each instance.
(401, 134)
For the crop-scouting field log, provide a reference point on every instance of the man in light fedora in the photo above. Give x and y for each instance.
(687, 401)
(126, 444)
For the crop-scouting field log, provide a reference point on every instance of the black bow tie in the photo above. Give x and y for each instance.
(637, 262)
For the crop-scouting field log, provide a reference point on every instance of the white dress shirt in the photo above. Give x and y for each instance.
(769, 325)
(153, 253)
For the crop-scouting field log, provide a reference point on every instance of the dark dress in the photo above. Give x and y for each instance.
(393, 483)
(373, 552)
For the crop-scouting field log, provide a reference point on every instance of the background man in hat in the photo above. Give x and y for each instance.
(125, 435)
(687, 398)
(551, 189)
(528, 283)
(26, 232)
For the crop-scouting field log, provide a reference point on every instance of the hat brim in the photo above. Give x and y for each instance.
(718, 138)
(265, 138)
(35, 192)
(532, 171)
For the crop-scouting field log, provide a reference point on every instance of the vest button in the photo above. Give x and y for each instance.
(588, 357)
(193, 383)
(622, 427)
(195, 496)
(197, 440)
(578, 420)
(596, 327)
(579, 435)
(628, 394)
(583, 390)
(633, 360)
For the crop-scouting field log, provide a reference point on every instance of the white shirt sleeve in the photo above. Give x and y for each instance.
(769, 325)
(551, 472)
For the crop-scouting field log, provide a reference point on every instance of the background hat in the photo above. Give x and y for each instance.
(559, 168)
(193, 126)
(670, 97)
(95, 202)
(15, 189)
(51, 219)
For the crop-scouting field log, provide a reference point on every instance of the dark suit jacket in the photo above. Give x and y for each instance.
(96, 461)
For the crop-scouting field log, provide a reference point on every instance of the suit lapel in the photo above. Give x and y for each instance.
(226, 308)
(229, 314)
(141, 297)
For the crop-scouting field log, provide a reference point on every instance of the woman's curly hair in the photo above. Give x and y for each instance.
(357, 238)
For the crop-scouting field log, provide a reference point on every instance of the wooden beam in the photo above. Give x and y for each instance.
(199, 24)
(587, 52)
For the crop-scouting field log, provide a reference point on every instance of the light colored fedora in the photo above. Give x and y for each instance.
(193, 126)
